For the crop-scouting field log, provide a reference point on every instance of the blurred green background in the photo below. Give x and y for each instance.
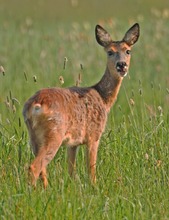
(75, 10)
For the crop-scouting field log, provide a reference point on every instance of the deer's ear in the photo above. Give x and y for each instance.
(102, 36)
(132, 35)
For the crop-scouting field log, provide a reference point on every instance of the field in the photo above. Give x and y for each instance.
(133, 157)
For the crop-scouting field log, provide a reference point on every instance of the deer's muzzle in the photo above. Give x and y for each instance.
(121, 67)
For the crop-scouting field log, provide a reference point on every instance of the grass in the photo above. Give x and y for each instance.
(132, 166)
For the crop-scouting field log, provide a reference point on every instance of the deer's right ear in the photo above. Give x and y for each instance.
(102, 36)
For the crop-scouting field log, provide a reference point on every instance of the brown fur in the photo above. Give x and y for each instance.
(75, 116)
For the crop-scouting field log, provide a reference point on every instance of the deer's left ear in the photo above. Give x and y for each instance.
(132, 35)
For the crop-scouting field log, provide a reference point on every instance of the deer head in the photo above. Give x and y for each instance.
(118, 52)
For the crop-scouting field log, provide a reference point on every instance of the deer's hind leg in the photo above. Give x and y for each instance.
(43, 176)
(43, 157)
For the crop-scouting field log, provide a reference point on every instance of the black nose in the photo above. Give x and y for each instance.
(121, 66)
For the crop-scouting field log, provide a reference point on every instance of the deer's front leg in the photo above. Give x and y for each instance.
(71, 151)
(92, 149)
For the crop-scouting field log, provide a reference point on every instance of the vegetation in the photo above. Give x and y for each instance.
(133, 165)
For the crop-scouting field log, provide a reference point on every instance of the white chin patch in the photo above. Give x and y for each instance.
(123, 74)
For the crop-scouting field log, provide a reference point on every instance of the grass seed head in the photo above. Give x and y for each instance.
(160, 110)
(2, 70)
(132, 103)
(140, 92)
(61, 80)
(34, 78)
(65, 62)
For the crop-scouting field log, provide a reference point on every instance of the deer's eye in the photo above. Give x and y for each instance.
(128, 52)
(110, 53)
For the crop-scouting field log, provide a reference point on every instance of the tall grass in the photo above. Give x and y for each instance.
(132, 166)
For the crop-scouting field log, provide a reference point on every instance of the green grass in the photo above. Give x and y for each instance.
(132, 166)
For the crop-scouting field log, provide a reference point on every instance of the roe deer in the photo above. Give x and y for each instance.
(74, 116)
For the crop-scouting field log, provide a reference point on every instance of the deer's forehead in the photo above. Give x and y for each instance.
(118, 46)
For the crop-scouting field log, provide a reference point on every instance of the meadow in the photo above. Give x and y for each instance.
(132, 165)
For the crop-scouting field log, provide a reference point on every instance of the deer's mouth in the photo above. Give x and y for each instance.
(122, 68)
(123, 73)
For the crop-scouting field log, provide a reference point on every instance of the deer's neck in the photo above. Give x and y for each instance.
(108, 88)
